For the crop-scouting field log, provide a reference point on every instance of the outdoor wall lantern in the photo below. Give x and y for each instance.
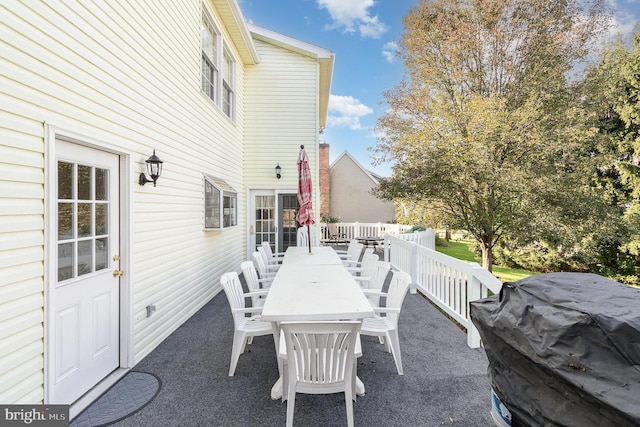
(154, 168)
(278, 170)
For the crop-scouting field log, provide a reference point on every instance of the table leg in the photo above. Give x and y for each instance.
(276, 390)
(360, 391)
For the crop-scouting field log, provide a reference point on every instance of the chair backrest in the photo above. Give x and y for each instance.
(379, 275)
(302, 236)
(320, 353)
(354, 251)
(233, 289)
(369, 264)
(260, 265)
(267, 249)
(398, 288)
(251, 277)
(264, 255)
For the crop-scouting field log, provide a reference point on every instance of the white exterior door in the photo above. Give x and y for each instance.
(262, 219)
(272, 218)
(85, 293)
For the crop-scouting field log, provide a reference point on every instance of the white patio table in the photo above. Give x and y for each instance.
(314, 286)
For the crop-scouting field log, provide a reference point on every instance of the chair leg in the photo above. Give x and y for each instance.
(239, 340)
(394, 340)
(353, 379)
(291, 403)
(348, 392)
(285, 380)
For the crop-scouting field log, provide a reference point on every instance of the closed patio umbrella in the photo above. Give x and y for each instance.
(305, 214)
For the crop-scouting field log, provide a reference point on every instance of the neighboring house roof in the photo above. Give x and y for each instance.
(375, 178)
(325, 58)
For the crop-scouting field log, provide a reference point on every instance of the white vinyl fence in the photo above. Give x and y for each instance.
(448, 282)
(346, 231)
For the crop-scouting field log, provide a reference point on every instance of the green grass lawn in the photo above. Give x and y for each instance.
(460, 250)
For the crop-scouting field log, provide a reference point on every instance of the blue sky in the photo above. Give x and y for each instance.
(364, 35)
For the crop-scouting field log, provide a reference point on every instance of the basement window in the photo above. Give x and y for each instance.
(220, 204)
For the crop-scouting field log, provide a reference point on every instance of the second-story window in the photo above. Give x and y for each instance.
(227, 84)
(218, 66)
(210, 40)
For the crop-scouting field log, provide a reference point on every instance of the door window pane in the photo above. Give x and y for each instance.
(65, 221)
(84, 182)
(65, 180)
(102, 216)
(102, 184)
(65, 261)
(84, 219)
(102, 254)
(84, 257)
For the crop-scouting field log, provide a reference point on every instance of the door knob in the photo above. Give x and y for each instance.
(117, 273)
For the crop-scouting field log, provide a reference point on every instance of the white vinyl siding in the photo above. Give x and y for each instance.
(82, 67)
(21, 259)
(281, 114)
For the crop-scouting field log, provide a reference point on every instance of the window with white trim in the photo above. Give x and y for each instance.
(218, 67)
(220, 204)
(228, 96)
(210, 39)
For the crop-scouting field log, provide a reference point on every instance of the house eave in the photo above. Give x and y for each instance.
(233, 20)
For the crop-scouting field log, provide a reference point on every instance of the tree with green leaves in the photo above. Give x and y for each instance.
(610, 94)
(482, 126)
(628, 106)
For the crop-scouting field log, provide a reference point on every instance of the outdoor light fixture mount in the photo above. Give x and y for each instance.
(278, 171)
(154, 169)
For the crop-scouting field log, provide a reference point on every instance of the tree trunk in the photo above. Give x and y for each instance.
(447, 235)
(487, 257)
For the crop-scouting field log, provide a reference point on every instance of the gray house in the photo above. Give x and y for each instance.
(350, 193)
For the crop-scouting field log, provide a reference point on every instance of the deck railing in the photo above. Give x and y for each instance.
(346, 231)
(448, 282)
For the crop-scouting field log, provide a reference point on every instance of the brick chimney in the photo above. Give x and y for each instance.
(325, 181)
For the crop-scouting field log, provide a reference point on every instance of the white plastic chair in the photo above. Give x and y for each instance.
(275, 258)
(263, 271)
(353, 255)
(343, 252)
(245, 328)
(375, 282)
(357, 265)
(254, 283)
(320, 360)
(270, 266)
(302, 236)
(387, 326)
(367, 266)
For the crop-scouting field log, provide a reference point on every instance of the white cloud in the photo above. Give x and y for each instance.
(625, 19)
(347, 111)
(389, 51)
(353, 15)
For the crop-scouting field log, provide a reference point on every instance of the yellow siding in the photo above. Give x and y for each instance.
(83, 68)
(281, 114)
